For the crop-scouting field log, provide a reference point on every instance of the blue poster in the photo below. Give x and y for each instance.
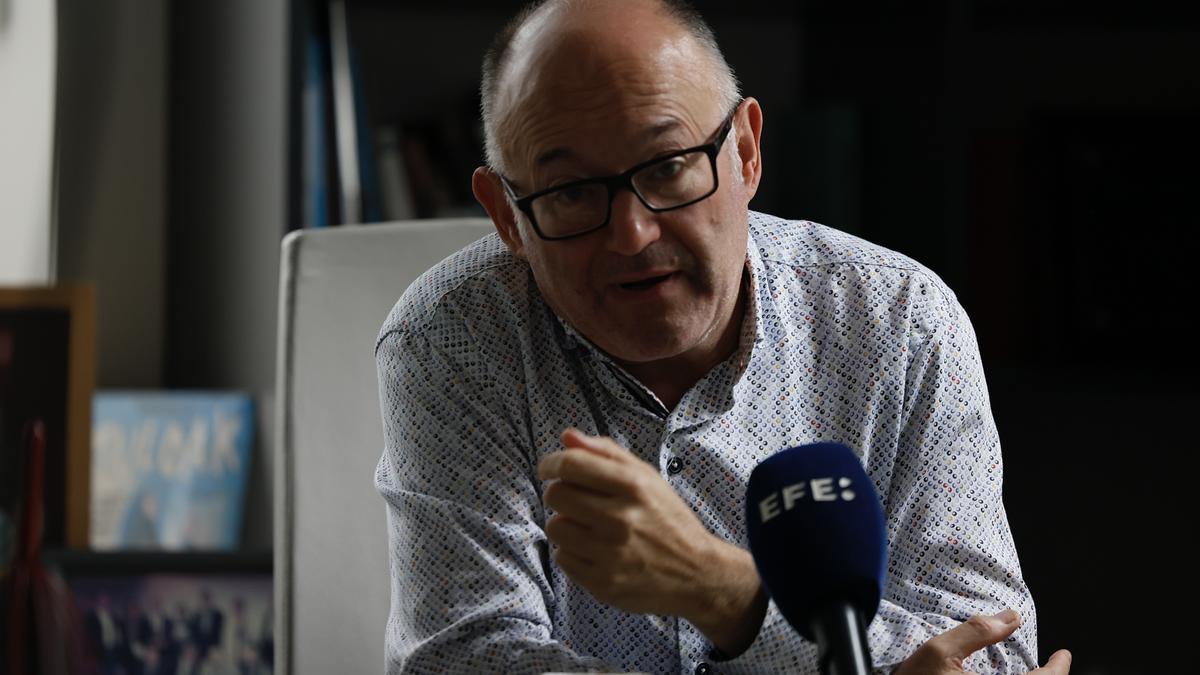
(169, 469)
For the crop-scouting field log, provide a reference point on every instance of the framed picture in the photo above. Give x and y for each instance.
(170, 469)
(170, 612)
(47, 373)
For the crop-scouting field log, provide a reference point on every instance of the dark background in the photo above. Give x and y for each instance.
(1039, 155)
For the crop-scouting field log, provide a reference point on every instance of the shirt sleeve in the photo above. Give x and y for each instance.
(467, 552)
(951, 552)
(950, 549)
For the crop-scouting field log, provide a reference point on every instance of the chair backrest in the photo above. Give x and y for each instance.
(331, 564)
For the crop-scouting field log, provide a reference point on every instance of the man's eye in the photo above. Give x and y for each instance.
(572, 195)
(669, 169)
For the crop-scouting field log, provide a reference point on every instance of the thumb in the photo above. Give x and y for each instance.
(976, 633)
(1059, 664)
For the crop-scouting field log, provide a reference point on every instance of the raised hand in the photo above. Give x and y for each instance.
(944, 654)
(621, 532)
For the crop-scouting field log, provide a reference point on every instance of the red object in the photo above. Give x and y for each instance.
(40, 616)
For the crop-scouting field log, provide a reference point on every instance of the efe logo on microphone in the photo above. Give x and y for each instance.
(818, 489)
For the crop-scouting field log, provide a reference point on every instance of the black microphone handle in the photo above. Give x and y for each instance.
(841, 641)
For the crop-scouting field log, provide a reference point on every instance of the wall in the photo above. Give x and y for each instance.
(27, 63)
(112, 127)
(228, 209)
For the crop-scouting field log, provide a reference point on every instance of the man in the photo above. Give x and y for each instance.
(207, 625)
(102, 628)
(572, 407)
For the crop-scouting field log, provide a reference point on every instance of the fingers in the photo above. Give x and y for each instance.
(601, 445)
(585, 469)
(593, 462)
(974, 634)
(585, 507)
(1058, 664)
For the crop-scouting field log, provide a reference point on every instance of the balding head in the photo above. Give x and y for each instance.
(555, 48)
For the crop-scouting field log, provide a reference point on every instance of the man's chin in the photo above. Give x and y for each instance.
(650, 343)
(645, 334)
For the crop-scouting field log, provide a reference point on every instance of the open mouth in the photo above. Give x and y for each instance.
(648, 282)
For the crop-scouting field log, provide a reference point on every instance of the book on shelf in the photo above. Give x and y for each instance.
(169, 469)
(369, 168)
(345, 117)
(314, 140)
(425, 164)
(362, 165)
(347, 137)
(394, 186)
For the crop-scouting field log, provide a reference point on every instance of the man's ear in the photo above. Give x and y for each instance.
(748, 125)
(491, 195)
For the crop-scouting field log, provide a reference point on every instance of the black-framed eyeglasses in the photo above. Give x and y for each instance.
(672, 181)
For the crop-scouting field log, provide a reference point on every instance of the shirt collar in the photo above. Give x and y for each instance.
(752, 320)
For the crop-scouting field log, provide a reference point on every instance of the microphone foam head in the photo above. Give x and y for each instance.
(816, 532)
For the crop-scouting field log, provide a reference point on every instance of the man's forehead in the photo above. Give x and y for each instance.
(562, 76)
(644, 135)
(610, 130)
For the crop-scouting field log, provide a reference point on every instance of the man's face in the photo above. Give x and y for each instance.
(648, 286)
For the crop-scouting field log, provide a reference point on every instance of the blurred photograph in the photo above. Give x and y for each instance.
(169, 624)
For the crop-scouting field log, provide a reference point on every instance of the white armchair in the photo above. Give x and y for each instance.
(331, 564)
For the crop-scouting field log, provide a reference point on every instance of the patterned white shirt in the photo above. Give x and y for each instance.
(842, 341)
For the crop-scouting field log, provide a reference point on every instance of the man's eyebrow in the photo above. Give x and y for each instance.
(651, 133)
(660, 129)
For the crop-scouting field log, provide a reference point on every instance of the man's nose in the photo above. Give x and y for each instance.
(631, 226)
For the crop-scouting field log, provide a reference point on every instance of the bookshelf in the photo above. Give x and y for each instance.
(414, 73)
(76, 562)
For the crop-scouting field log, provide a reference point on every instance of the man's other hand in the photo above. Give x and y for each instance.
(621, 532)
(944, 654)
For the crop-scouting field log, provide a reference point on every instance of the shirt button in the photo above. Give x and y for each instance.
(703, 668)
(673, 467)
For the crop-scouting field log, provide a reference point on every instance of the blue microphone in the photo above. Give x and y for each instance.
(817, 535)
